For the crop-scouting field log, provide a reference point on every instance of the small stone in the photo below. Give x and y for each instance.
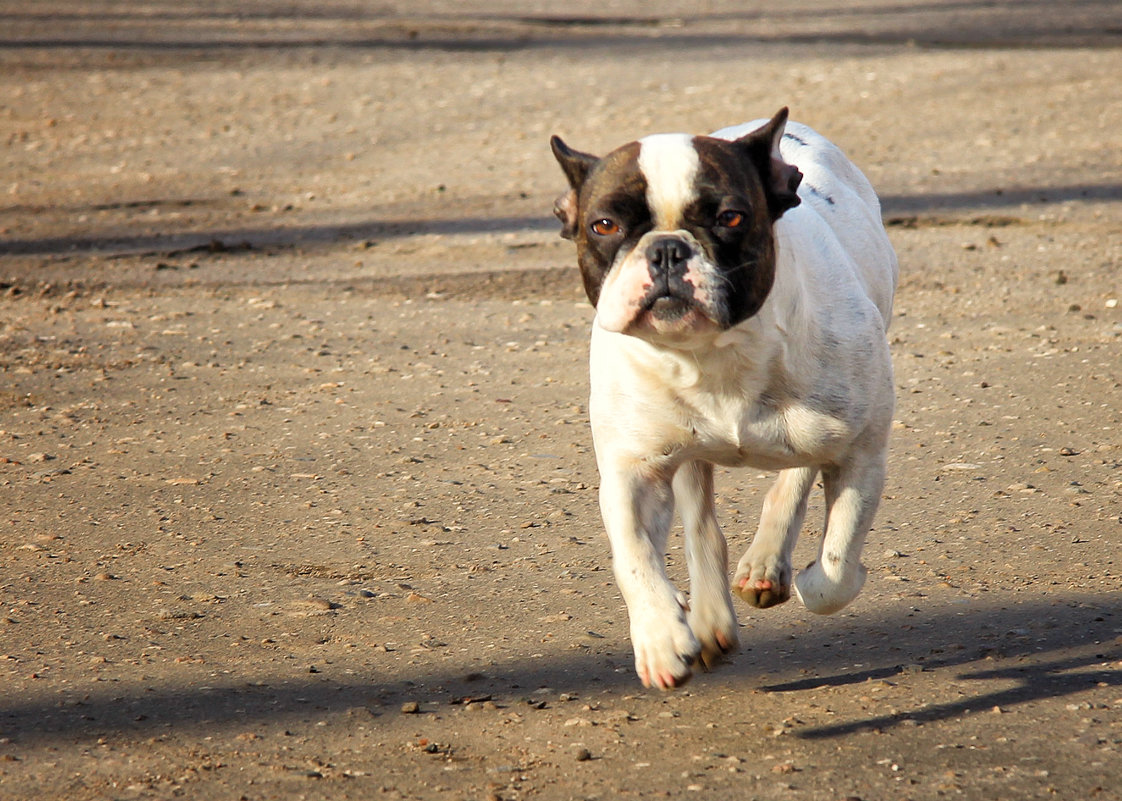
(583, 755)
(410, 708)
(312, 607)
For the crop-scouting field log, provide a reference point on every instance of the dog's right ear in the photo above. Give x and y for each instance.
(576, 166)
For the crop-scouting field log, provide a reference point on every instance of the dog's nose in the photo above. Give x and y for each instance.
(668, 255)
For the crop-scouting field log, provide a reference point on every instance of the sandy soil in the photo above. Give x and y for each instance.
(298, 492)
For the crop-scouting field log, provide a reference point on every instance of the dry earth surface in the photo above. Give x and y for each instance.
(298, 493)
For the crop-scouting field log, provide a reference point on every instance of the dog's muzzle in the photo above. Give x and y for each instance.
(670, 295)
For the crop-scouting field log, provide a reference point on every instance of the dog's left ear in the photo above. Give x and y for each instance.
(781, 180)
(576, 166)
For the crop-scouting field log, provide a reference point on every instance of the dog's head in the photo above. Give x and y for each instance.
(674, 232)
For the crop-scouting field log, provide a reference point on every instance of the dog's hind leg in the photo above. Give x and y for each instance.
(763, 575)
(852, 495)
(711, 615)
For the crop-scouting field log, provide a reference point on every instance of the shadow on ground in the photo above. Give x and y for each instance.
(231, 241)
(1030, 24)
(1051, 650)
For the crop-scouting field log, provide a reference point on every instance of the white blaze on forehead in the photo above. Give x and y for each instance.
(670, 163)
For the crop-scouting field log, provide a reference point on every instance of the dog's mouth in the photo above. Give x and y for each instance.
(669, 308)
(670, 315)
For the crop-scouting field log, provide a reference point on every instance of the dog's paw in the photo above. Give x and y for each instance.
(824, 593)
(762, 580)
(665, 651)
(714, 625)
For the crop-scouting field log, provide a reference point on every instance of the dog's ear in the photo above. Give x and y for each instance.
(781, 180)
(576, 166)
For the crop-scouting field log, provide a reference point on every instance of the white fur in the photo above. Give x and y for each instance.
(804, 386)
(670, 164)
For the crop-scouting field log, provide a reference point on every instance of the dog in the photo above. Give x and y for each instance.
(743, 286)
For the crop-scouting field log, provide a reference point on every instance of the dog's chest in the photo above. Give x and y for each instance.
(758, 431)
(723, 409)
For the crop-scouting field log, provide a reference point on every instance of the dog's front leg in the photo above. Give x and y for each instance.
(711, 615)
(637, 505)
(763, 576)
(852, 492)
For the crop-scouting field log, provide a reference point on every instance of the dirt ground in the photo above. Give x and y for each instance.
(298, 496)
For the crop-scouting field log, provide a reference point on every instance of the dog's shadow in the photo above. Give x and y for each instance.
(1035, 681)
(1051, 650)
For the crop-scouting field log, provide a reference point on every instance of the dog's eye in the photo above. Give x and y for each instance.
(605, 227)
(730, 219)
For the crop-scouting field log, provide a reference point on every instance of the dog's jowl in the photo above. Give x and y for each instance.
(743, 285)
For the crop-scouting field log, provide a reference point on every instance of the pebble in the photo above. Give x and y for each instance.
(583, 755)
(312, 607)
(410, 708)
